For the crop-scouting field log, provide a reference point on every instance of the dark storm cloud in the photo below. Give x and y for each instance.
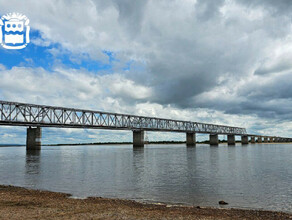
(279, 6)
(192, 63)
(208, 9)
(267, 96)
(273, 69)
(270, 88)
(131, 13)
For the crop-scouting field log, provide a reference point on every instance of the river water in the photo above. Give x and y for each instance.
(253, 176)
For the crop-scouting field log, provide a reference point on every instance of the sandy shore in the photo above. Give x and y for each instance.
(20, 203)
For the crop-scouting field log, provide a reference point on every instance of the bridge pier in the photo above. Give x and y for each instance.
(266, 140)
(138, 138)
(191, 139)
(252, 139)
(214, 139)
(231, 139)
(244, 139)
(259, 139)
(33, 138)
(271, 139)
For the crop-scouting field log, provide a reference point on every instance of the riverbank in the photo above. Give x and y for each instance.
(21, 203)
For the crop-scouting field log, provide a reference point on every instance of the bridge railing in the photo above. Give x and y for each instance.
(12, 113)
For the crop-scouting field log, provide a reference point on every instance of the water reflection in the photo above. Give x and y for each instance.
(32, 168)
(32, 162)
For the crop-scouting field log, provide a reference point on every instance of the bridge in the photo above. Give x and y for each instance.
(34, 117)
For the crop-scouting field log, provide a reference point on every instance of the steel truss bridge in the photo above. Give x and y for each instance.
(22, 114)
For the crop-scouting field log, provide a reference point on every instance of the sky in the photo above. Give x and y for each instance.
(223, 62)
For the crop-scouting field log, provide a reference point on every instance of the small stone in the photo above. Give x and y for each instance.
(223, 202)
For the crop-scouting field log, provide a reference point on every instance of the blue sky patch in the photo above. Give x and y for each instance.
(41, 56)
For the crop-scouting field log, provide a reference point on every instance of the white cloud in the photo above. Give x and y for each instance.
(68, 87)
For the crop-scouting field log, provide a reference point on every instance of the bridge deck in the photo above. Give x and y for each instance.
(21, 114)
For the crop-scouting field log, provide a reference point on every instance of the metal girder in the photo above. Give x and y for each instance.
(21, 114)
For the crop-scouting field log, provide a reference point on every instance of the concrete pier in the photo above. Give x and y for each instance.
(191, 139)
(271, 139)
(214, 139)
(138, 138)
(33, 138)
(259, 139)
(231, 139)
(266, 140)
(244, 139)
(252, 139)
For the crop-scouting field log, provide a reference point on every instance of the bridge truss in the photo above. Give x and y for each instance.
(21, 114)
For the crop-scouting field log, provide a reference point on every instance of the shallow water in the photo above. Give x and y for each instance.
(252, 176)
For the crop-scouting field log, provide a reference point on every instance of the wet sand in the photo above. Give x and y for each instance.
(21, 203)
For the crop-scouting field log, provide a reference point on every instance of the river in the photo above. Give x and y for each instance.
(257, 176)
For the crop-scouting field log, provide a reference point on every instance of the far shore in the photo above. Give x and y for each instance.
(128, 143)
(21, 203)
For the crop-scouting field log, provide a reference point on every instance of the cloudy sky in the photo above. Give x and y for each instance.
(225, 62)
